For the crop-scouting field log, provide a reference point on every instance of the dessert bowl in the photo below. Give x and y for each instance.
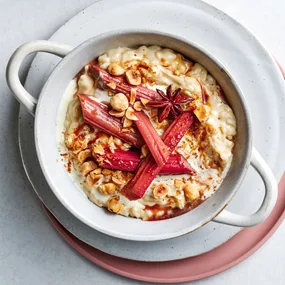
(46, 113)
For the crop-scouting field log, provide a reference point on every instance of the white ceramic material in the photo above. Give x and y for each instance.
(195, 20)
(82, 208)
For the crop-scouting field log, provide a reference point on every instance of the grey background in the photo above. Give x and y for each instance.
(31, 251)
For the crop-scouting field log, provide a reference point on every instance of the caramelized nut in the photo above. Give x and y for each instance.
(191, 192)
(117, 114)
(130, 114)
(112, 85)
(115, 69)
(127, 123)
(98, 149)
(83, 155)
(69, 140)
(116, 180)
(108, 188)
(144, 150)
(138, 106)
(144, 101)
(106, 171)
(114, 204)
(95, 172)
(87, 167)
(133, 77)
(178, 183)
(133, 96)
(160, 191)
(119, 102)
(89, 180)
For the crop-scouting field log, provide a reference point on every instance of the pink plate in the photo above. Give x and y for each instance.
(213, 262)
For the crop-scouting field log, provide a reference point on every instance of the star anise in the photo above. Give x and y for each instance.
(171, 102)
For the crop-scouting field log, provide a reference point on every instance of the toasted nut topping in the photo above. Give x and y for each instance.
(191, 192)
(112, 85)
(87, 167)
(119, 102)
(115, 69)
(144, 150)
(116, 180)
(110, 140)
(89, 180)
(133, 77)
(83, 155)
(108, 188)
(114, 204)
(69, 140)
(110, 93)
(127, 123)
(106, 171)
(118, 141)
(130, 114)
(95, 172)
(202, 112)
(107, 178)
(133, 96)
(144, 101)
(106, 103)
(98, 149)
(117, 113)
(160, 191)
(178, 183)
(138, 106)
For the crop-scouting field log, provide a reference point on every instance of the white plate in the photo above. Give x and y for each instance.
(252, 67)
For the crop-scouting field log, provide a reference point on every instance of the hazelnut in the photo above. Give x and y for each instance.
(191, 192)
(133, 96)
(144, 151)
(119, 102)
(83, 155)
(130, 114)
(127, 123)
(144, 101)
(115, 69)
(178, 183)
(95, 172)
(106, 171)
(69, 140)
(138, 106)
(98, 149)
(112, 85)
(108, 188)
(116, 180)
(160, 191)
(114, 204)
(88, 167)
(117, 114)
(133, 77)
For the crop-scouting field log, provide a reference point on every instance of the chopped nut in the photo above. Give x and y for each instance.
(191, 191)
(114, 204)
(118, 141)
(202, 112)
(106, 103)
(106, 171)
(112, 85)
(83, 155)
(160, 191)
(87, 167)
(95, 172)
(69, 140)
(133, 77)
(110, 93)
(144, 150)
(107, 178)
(108, 188)
(116, 180)
(89, 180)
(138, 106)
(130, 114)
(127, 123)
(153, 112)
(144, 101)
(178, 183)
(133, 96)
(115, 69)
(119, 102)
(117, 113)
(110, 140)
(98, 149)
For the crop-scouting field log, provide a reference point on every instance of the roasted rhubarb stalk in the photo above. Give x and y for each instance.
(129, 160)
(158, 149)
(96, 114)
(104, 78)
(148, 169)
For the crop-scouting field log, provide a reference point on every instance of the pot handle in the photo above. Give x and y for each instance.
(15, 62)
(271, 192)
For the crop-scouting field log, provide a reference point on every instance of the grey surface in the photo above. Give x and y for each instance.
(31, 252)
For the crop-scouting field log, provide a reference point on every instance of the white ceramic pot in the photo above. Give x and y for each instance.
(46, 108)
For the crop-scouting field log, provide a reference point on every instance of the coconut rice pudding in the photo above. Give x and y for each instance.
(145, 132)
